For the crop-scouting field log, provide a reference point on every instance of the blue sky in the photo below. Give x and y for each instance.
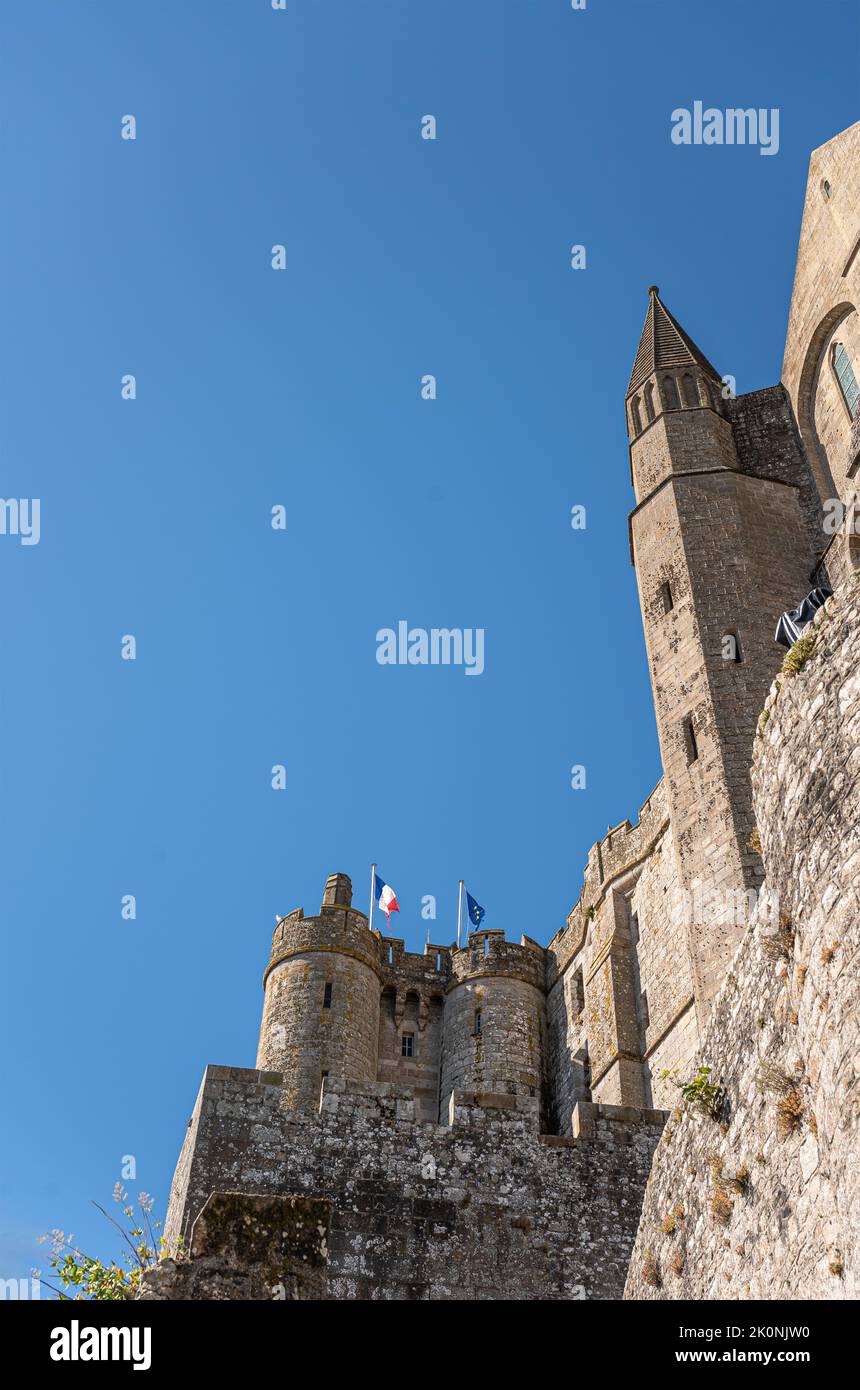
(301, 388)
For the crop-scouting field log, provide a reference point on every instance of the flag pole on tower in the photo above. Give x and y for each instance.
(460, 912)
(372, 895)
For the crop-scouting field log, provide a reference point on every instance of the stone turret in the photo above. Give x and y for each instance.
(495, 1018)
(322, 990)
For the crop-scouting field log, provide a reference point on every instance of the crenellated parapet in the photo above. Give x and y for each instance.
(623, 848)
(342, 931)
(487, 953)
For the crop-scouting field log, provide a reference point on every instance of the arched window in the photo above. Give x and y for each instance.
(846, 378)
(670, 393)
(649, 402)
(691, 396)
(635, 416)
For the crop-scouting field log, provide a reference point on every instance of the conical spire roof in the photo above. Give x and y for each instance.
(664, 344)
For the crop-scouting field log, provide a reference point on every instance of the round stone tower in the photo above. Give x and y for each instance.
(495, 1018)
(322, 991)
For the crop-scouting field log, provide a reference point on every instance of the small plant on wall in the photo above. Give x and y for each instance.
(790, 1106)
(651, 1270)
(721, 1206)
(798, 655)
(700, 1093)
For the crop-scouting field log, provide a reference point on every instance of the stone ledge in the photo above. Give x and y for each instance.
(487, 1100)
(470, 1108)
(589, 1115)
(249, 1075)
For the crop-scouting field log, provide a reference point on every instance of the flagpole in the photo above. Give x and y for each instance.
(459, 912)
(372, 895)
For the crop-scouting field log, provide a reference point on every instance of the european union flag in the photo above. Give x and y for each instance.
(476, 912)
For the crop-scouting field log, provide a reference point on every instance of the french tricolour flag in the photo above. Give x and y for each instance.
(386, 898)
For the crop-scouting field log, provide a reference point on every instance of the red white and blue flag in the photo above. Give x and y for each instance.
(386, 898)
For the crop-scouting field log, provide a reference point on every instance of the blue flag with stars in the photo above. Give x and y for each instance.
(476, 912)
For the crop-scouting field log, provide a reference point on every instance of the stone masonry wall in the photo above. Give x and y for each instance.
(763, 1200)
(768, 446)
(677, 441)
(665, 974)
(421, 1070)
(568, 1065)
(632, 874)
(479, 1208)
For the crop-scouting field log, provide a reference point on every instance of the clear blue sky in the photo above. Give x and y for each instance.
(301, 388)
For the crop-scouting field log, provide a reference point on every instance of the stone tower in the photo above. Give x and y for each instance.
(495, 1018)
(721, 538)
(321, 1002)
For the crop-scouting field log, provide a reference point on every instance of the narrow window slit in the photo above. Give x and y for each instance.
(690, 740)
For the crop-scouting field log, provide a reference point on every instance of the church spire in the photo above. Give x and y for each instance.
(664, 344)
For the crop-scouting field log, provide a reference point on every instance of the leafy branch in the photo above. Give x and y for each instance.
(82, 1276)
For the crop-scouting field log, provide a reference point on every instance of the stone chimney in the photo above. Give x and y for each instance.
(338, 891)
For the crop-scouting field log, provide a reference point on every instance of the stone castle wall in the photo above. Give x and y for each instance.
(620, 1005)
(481, 1207)
(666, 1005)
(422, 1070)
(768, 446)
(763, 1201)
